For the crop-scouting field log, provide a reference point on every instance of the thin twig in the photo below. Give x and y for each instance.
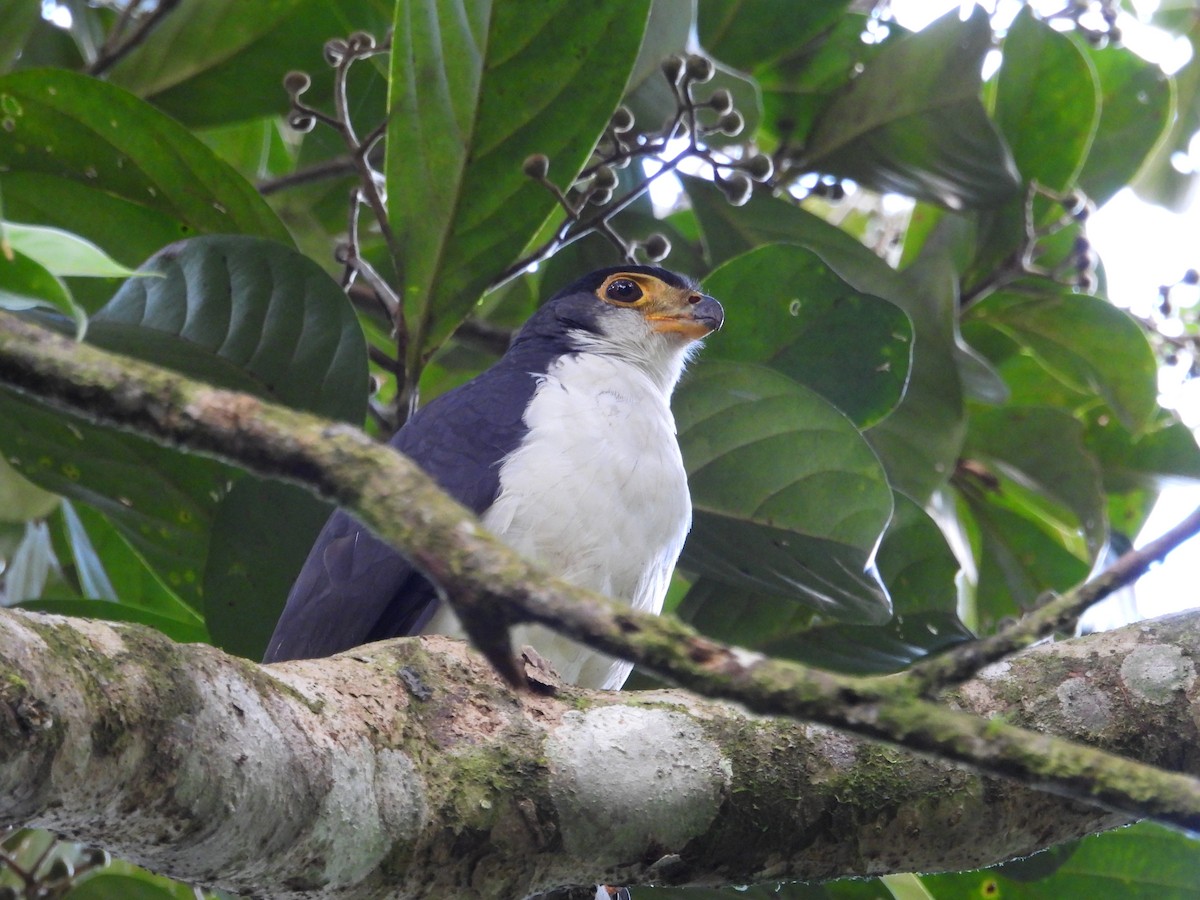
(330, 168)
(1059, 613)
(109, 58)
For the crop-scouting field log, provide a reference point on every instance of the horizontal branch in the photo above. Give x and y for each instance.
(489, 584)
(222, 772)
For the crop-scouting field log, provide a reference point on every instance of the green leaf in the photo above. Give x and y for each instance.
(1019, 544)
(1047, 108)
(1141, 862)
(1047, 102)
(239, 312)
(917, 566)
(216, 61)
(20, 17)
(261, 536)
(62, 253)
(1043, 450)
(101, 140)
(20, 499)
(131, 582)
(913, 122)
(920, 441)
(746, 33)
(245, 313)
(1165, 453)
(474, 91)
(93, 580)
(26, 284)
(916, 563)
(729, 231)
(803, 320)
(1085, 342)
(107, 887)
(1136, 108)
(161, 500)
(788, 498)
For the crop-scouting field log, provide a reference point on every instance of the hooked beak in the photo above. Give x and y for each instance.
(688, 314)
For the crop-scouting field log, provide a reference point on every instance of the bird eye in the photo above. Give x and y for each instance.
(623, 290)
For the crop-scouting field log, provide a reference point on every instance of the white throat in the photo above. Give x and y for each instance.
(597, 491)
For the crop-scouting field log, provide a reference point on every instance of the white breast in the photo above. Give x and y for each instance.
(597, 494)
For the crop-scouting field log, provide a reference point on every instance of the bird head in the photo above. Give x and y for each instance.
(647, 315)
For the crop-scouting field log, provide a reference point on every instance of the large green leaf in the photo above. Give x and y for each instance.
(920, 441)
(788, 497)
(1142, 862)
(1042, 449)
(236, 311)
(213, 61)
(475, 89)
(1047, 102)
(1137, 103)
(798, 86)
(913, 122)
(1019, 540)
(747, 33)
(19, 18)
(1164, 453)
(162, 501)
(121, 575)
(81, 142)
(1086, 343)
(26, 284)
(728, 231)
(1047, 106)
(261, 536)
(795, 314)
(917, 566)
(247, 313)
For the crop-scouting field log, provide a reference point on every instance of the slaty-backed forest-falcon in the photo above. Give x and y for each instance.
(565, 447)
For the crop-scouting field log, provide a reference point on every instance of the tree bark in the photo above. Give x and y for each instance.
(407, 769)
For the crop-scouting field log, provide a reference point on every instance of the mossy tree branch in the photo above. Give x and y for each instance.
(490, 585)
(407, 769)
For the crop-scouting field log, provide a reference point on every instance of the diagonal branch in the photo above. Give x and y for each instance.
(485, 580)
(1057, 614)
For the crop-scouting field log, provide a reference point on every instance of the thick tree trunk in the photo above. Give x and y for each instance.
(407, 769)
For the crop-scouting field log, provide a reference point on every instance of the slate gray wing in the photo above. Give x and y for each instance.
(354, 588)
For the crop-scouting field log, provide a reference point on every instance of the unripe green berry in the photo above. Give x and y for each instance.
(672, 67)
(360, 41)
(600, 197)
(296, 82)
(622, 120)
(536, 166)
(301, 122)
(731, 123)
(604, 179)
(759, 166)
(736, 187)
(657, 247)
(721, 101)
(700, 69)
(335, 51)
(59, 870)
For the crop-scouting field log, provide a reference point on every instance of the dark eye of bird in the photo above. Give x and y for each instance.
(623, 290)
